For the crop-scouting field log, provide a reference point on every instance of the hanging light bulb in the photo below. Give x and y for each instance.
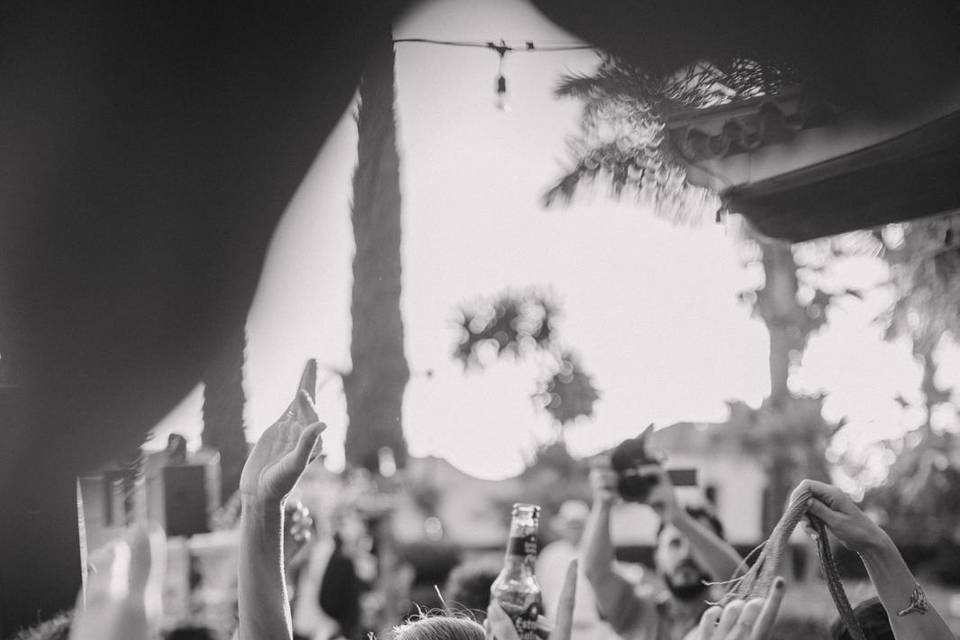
(501, 83)
(501, 100)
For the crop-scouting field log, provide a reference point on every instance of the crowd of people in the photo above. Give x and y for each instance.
(583, 590)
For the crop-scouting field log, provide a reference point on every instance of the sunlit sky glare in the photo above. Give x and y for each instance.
(650, 308)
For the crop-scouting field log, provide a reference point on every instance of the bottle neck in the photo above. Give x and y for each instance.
(521, 549)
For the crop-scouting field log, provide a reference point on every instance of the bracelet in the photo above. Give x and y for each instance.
(918, 603)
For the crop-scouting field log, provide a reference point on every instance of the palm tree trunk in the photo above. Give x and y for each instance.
(374, 387)
(795, 442)
(780, 313)
(223, 400)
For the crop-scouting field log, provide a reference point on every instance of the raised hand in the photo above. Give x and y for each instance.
(603, 480)
(841, 515)
(663, 496)
(741, 620)
(286, 448)
(499, 626)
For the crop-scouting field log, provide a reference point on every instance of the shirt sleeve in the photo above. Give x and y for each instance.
(621, 606)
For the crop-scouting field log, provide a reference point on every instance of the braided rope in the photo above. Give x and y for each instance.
(756, 582)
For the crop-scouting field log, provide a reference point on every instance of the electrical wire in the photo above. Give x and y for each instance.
(528, 46)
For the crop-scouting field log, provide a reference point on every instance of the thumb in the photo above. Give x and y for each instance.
(501, 626)
(304, 409)
(304, 451)
(308, 379)
(564, 620)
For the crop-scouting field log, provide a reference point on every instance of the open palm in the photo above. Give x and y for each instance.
(286, 448)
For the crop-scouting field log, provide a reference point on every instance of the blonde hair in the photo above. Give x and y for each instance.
(439, 627)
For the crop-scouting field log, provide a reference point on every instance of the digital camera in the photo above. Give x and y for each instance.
(629, 459)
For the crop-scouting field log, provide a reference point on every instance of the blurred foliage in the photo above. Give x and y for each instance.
(551, 477)
(511, 323)
(569, 393)
(924, 259)
(518, 325)
(621, 137)
(917, 503)
(425, 494)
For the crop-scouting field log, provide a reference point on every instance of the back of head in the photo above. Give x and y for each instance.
(872, 618)
(441, 627)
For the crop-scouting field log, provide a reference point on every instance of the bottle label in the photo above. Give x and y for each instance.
(525, 619)
(523, 546)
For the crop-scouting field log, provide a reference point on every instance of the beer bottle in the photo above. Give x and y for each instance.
(516, 588)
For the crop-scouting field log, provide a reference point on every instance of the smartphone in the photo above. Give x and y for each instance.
(683, 477)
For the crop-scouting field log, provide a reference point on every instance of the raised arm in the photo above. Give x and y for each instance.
(617, 601)
(714, 554)
(272, 470)
(911, 615)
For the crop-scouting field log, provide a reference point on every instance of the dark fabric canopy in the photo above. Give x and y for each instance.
(879, 55)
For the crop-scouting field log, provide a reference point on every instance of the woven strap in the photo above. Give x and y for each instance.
(833, 580)
(755, 583)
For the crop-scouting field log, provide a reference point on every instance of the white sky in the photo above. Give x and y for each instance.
(651, 309)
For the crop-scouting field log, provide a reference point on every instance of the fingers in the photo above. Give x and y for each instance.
(728, 619)
(743, 628)
(308, 379)
(305, 410)
(306, 449)
(564, 621)
(769, 611)
(830, 517)
(708, 623)
(808, 527)
(827, 494)
(500, 625)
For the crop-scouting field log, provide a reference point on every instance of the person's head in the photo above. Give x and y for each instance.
(440, 627)
(674, 560)
(872, 618)
(468, 586)
(570, 520)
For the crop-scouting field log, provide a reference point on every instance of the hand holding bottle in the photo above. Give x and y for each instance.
(499, 626)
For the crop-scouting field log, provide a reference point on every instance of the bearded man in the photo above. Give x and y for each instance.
(690, 553)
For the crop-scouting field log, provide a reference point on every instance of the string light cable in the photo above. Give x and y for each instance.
(501, 49)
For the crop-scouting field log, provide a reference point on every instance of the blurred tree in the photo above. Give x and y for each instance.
(924, 261)
(917, 499)
(223, 400)
(621, 140)
(374, 386)
(519, 325)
